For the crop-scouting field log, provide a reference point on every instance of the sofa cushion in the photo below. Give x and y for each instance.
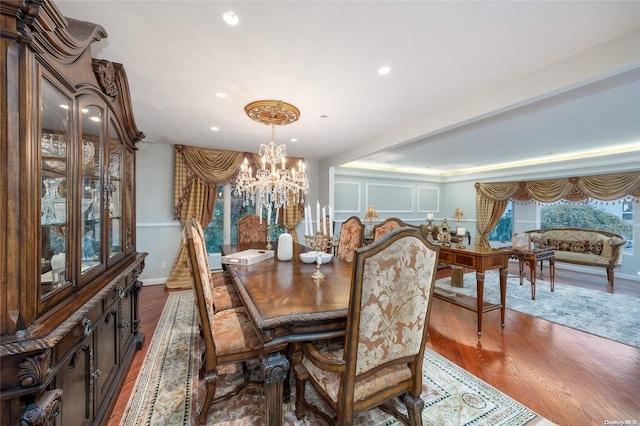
(580, 258)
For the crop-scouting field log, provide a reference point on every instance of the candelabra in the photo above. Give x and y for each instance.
(319, 242)
(268, 246)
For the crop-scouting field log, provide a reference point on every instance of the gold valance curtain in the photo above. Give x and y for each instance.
(198, 172)
(492, 198)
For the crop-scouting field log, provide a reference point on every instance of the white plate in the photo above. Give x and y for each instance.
(311, 256)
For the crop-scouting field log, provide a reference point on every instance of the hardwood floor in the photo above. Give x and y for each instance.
(567, 376)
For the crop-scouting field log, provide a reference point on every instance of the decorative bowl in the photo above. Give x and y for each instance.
(311, 256)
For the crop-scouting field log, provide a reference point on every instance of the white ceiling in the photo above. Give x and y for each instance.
(472, 84)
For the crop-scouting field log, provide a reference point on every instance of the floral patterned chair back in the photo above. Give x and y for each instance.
(250, 230)
(351, 238)
(390, 224)
(386, 333)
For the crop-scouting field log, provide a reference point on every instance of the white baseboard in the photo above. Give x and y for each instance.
(153, 281)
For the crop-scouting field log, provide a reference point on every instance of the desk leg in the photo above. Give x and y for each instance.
(275, 367)
(479, 300)
(503, 294)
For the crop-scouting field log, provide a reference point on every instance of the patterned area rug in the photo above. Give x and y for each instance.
(168, 387)
(612, 316)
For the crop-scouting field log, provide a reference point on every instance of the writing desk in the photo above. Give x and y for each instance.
(480, 259)
(286, 305)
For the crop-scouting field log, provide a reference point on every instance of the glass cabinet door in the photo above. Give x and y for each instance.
(129, 202)
(54, 197)
(114, 192)
(91, 199)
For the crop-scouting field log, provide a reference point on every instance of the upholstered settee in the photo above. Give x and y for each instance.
(582, 247)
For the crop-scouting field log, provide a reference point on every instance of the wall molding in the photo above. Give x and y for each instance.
(175, 224)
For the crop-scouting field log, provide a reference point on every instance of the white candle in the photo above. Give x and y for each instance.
(310, 220)
(318, 215)
(269, 214)
(429, 216)
(324, 220)
(331, 221)
(276, 222)
(260, 213)
(305, 220)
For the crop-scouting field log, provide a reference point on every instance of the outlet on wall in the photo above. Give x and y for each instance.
(163, 265)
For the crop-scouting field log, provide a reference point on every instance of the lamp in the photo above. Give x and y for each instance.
(458, 215)
(272, 184)
(370, 216)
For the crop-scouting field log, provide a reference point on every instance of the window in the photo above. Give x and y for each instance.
(611, 216)
(504, 229)
(228, 209)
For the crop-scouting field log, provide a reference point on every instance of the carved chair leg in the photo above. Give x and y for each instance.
(414, 409)
(301, 376)
(210, 383)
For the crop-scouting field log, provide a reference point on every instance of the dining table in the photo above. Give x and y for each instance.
(286, 304)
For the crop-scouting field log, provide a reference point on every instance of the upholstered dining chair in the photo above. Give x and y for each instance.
(224, 291)
(229, 336)
(250, 230)
(388, 225)
(386, 334)
(351, 238)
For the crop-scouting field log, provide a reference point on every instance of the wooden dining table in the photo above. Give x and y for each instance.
(287, 305)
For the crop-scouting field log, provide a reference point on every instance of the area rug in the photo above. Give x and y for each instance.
(168, 388)
(609, 315)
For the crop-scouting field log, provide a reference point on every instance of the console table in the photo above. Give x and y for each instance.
(480, 259)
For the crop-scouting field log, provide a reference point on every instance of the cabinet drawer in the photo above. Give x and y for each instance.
(77, 333)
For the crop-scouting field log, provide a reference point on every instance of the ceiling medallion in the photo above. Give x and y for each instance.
(272, 112)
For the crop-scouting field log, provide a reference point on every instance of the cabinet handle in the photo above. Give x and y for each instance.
(86, 322)
(124, 324)
(96, 374)
(121, 292)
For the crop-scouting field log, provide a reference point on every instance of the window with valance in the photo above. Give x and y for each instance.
(493, 197)
(198, 173)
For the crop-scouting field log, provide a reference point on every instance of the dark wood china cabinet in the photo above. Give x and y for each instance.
(68, 262)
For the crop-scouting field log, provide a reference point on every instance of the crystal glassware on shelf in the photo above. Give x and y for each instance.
(51, 196)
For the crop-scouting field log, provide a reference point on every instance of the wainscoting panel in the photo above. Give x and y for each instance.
(428, 199)
(347, 197)
(387, 198)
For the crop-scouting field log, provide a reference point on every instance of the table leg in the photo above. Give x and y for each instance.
(521, 269)
(275, 367)
(480, 299)
(552, 272)
(532, 270)
(503, 294)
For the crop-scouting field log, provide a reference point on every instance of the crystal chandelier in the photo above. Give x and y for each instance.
(273, 184)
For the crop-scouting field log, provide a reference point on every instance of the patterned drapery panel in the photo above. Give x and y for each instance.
(492, 198)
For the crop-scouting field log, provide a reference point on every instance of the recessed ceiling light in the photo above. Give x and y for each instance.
(64, 106)
(230, 18)
(214, 129)
(384, 70)
(294, 140)
(221, 95)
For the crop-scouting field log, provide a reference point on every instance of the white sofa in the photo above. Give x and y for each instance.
(582, 247)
